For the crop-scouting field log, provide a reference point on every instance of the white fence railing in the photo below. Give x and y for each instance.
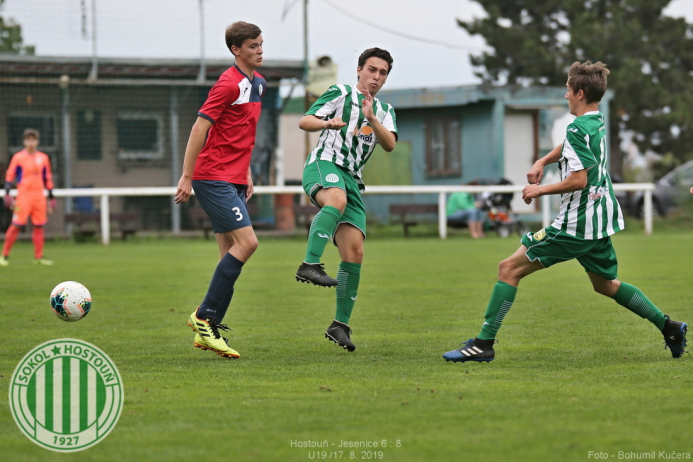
(106, 193)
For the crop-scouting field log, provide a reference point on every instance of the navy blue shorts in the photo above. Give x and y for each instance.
(224, 203)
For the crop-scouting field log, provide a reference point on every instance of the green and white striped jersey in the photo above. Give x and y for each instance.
(594, 212)
(352, 145)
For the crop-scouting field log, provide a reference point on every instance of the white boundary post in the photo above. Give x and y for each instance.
(442, 217)
(105, 221)
(648, 211)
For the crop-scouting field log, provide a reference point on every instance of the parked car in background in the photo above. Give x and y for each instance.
(669, 192)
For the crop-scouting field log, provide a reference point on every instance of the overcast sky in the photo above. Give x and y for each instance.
(170, 28)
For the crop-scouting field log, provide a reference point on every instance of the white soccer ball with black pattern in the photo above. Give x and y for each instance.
(70, 301)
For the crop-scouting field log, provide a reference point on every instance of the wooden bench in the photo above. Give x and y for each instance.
(254, 211)
(304, 214)
(88, 224)
(200, 220)
(412, 214)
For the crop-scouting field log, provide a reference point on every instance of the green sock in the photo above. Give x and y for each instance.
(632, 298)
(348, 278)
(321, 230)
(502, 299)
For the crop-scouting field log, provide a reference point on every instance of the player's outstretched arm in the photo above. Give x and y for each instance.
(192, 151)
(575, 182)
(311, 123)
(536, 173)
(385, 137)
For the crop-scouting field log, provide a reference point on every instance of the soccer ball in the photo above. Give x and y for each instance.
(70, 301)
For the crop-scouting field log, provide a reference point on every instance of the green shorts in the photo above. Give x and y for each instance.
(551, 246)
(322, 174)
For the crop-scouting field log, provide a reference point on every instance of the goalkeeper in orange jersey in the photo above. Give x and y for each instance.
(30, 169)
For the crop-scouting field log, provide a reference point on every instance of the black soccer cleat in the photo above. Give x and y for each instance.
(473, 349)
(340, 333)
(315, 273)
(675, 336)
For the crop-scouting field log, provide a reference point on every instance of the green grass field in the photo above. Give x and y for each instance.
(574, 372)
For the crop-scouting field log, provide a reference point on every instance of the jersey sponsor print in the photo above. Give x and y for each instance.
(593, 212)
(352, 145)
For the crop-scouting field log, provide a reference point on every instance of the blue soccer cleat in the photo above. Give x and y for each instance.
(473, 349)
(675, 337)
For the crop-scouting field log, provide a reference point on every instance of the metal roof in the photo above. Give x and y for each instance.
(512, 96)
(142, 71)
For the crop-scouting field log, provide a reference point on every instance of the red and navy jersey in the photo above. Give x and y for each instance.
(233, 106)
(32, 172)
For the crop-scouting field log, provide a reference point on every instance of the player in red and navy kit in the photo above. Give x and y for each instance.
(217, 166)
(30, 169)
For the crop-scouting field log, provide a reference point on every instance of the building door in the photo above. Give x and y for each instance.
(519, 153)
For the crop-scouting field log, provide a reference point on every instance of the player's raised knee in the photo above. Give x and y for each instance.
(339, 202)
(334, 197)
(505, 269)
(252, 244)
(607, 288)
(356, 252)
(248, 245)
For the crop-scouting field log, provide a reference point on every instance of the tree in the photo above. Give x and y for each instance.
(650, 56)
(11, 37)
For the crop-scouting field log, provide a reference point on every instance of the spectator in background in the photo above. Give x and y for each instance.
(30, 169)
(463, 206)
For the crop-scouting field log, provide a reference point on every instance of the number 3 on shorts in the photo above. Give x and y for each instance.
(238, 213)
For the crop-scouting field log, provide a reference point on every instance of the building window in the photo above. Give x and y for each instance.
(16, 124)
(443, 147)
(88, 135)
(140, 136)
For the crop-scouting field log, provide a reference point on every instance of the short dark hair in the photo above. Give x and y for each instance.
(376, 53)
(29, 132)
(239, 32)
(589, 77)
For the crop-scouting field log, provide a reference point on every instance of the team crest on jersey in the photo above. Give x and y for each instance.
(365, 134)
(539, 235)
(260, 89)
(332, 178)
